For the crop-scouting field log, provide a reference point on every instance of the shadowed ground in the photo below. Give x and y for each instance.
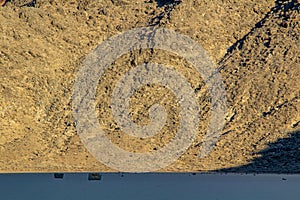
(282, 156)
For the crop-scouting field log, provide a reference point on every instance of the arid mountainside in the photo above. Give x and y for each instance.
(255, 45)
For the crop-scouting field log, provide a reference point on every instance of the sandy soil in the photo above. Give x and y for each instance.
(254, 43)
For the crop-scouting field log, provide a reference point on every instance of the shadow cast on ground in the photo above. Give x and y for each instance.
(282, 156)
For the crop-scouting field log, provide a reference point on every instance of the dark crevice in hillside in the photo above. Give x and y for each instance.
(168, 6)
(282, 9)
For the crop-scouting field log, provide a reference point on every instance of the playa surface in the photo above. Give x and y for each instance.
(255, 45)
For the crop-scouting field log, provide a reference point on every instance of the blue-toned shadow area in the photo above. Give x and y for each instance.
(282, 156)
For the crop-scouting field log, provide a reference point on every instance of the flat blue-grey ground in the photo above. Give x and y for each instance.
(150, 186)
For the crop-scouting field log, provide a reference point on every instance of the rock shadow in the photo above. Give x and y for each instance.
(282, 156)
